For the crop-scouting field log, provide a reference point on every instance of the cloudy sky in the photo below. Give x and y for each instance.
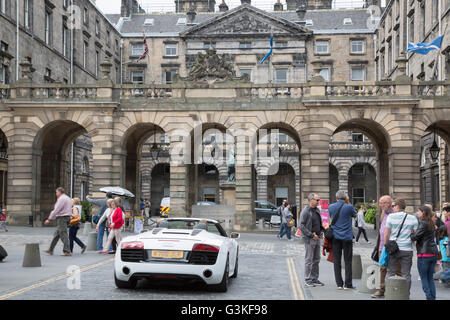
(113, 6)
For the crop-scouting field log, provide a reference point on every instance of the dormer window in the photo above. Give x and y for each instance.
(309, 22)
(181, 22)
(149, 22)
(348, 22)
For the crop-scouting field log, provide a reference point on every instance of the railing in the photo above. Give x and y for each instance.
(296, 91)
(351, 146)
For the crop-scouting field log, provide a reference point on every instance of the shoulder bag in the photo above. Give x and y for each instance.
(329, 232)
(392, 246)
(290, 223)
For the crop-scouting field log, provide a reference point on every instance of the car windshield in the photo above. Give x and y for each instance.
(190, 225)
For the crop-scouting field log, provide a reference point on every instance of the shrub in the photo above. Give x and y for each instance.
(86, 211)
(370, 215)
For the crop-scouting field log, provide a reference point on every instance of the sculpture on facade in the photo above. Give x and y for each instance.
(211, 66)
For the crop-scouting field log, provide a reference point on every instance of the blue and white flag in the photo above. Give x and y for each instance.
(270, 52)
(424, 48)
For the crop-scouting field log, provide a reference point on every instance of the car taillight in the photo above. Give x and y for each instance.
(205, 247)
(132, 245)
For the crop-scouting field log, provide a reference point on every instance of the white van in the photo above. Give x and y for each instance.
(164, 209)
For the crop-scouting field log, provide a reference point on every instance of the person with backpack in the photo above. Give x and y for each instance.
(102, 204)
(115, 224)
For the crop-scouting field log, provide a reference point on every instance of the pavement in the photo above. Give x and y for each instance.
(269, 269)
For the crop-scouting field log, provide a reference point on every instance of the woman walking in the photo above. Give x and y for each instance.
(75, 225)
(361, 224)
(116, 223)
(104, 219)
(426, 250)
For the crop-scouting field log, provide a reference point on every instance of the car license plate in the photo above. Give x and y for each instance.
(167, 254)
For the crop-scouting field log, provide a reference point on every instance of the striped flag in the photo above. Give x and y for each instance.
(145, 50)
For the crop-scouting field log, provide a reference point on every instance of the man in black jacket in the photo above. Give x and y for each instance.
(312, 231)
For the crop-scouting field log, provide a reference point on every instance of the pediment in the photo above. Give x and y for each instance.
(246, 20)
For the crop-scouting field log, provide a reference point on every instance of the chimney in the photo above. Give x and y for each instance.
(191, 15)
(278, 6)
(246, 1)
(301, 12)
(292, 5)
(223, 7)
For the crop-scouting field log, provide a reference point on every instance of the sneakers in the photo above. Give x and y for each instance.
(378, 294)
(66, 254)
(349, 288)
(309, 284)
(84, 249)
(48, 252)
(318, 283)
(340, 288)
(291, 239)
(368, 242)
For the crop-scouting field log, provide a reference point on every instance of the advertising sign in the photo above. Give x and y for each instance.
(323, 207)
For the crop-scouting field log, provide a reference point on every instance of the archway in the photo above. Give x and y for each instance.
(56, 158)
(281, 185)
(3, 169)
(160, 186)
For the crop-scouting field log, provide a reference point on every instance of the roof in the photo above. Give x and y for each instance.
(165, 24)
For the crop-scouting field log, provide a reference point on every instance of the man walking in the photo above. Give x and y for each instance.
(385, 205)
(312, 231)
(62, 213)
(342, 239)
(404, 223)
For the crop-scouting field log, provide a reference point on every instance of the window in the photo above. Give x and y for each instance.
(422, 13)
(281, 44)
(116, 46)
(358, 195)
(86, 16)
(3, 75)
(171, 49)
(97, 62)
(423, 157)
(137, 77)
(309, 22)
(149, 22)
(397, 45)
(325, 73)
(48, 27)
(65, 4)
(97, 27)
(411, 30)
(435, 5)
(169, 76)
(358, 169)
(281, 75)
(28, 14)
(108, 38)
(348, 22)
(209, 45)
(358, 74)
(65, 35)
(246, 71)
(85, 54)
(322, 47)
(181, 21)
(357, 137)
(3, 6)
(357, 46)
(48, 75)
(137, 49)
(245, 45)
(390, 56)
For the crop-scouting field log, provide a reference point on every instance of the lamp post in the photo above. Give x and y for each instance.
(154, 150)
(434, 149)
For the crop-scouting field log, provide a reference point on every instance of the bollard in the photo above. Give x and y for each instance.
(87, 228)
(396, 288)
(32, 257)
(261, 224)
(356, 266)
(370, 278)
(92, 241)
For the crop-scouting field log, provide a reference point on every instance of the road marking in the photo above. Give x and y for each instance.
(297, 282)
(57, 278)
(294, 289)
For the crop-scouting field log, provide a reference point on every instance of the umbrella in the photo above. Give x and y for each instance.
(117, 191)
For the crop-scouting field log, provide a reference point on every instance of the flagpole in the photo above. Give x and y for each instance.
(17, 40)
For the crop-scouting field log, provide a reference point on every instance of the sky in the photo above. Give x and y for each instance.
(113, 6)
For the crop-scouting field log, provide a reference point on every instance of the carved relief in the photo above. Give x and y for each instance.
(211, 66)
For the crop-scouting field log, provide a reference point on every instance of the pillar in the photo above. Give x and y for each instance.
(343, 181)
(178, 181)
(261, 187)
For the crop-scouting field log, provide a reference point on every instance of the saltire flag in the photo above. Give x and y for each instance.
(145, 50)
(270, 52)
(424, 48)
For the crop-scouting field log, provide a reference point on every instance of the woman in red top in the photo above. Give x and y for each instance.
(116, 223)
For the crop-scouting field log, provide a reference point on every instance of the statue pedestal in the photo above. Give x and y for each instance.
(229, 193)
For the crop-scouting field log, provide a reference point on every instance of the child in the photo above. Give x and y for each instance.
(3, 220)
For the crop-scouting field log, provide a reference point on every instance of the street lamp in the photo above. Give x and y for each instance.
(154, 150)
(434, 150)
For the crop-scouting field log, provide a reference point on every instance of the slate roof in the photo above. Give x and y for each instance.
(165, 24)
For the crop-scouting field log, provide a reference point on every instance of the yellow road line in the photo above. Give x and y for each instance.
(57, 278)
(297, 282)
(294, 289)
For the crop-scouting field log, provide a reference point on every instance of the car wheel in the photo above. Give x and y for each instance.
(131, 284)
(223, 285)
(236, 267)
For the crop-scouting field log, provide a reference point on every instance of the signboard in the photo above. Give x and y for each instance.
(323, 207)
(138, 224)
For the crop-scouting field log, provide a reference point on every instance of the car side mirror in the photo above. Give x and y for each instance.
(235, 235)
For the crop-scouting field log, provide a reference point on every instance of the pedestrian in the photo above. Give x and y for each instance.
(74, 225)
(312, 231)
(446, 212)
(102, 204)
(399, 227)
(142, 206)
(342, 238)
(443, 244)
(385, 205)
(280, 210)
(105, 220)
(61, 213)
(116, 223)
(361, 224)
(285, 229)
(3, 219)
(426, 250)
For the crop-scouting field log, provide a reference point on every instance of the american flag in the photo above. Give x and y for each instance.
(145, 50)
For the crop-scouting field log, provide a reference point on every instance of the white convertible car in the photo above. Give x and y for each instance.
(179, 249)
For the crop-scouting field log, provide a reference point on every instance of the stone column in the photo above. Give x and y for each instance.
(178, 181)
(261, 185)
(343, 181)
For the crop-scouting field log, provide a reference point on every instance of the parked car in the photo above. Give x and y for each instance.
(265, 209)
(179, 250)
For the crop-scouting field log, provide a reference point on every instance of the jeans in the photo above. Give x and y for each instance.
(363, 231)
(426, 270)
(312, 260)
(101, 232)
(73, 237)
(347, 247)
(61, 233)
(405, 260)
(285, 230)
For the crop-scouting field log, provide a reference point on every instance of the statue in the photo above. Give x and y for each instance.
(231, 167)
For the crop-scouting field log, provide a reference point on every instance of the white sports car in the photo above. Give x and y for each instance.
(179, 249)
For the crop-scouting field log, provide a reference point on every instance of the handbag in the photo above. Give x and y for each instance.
(384, 259)
(74, 221)
(96, 219)
(290, 223)
(298, 233)
(329, 231)
(392, 246)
